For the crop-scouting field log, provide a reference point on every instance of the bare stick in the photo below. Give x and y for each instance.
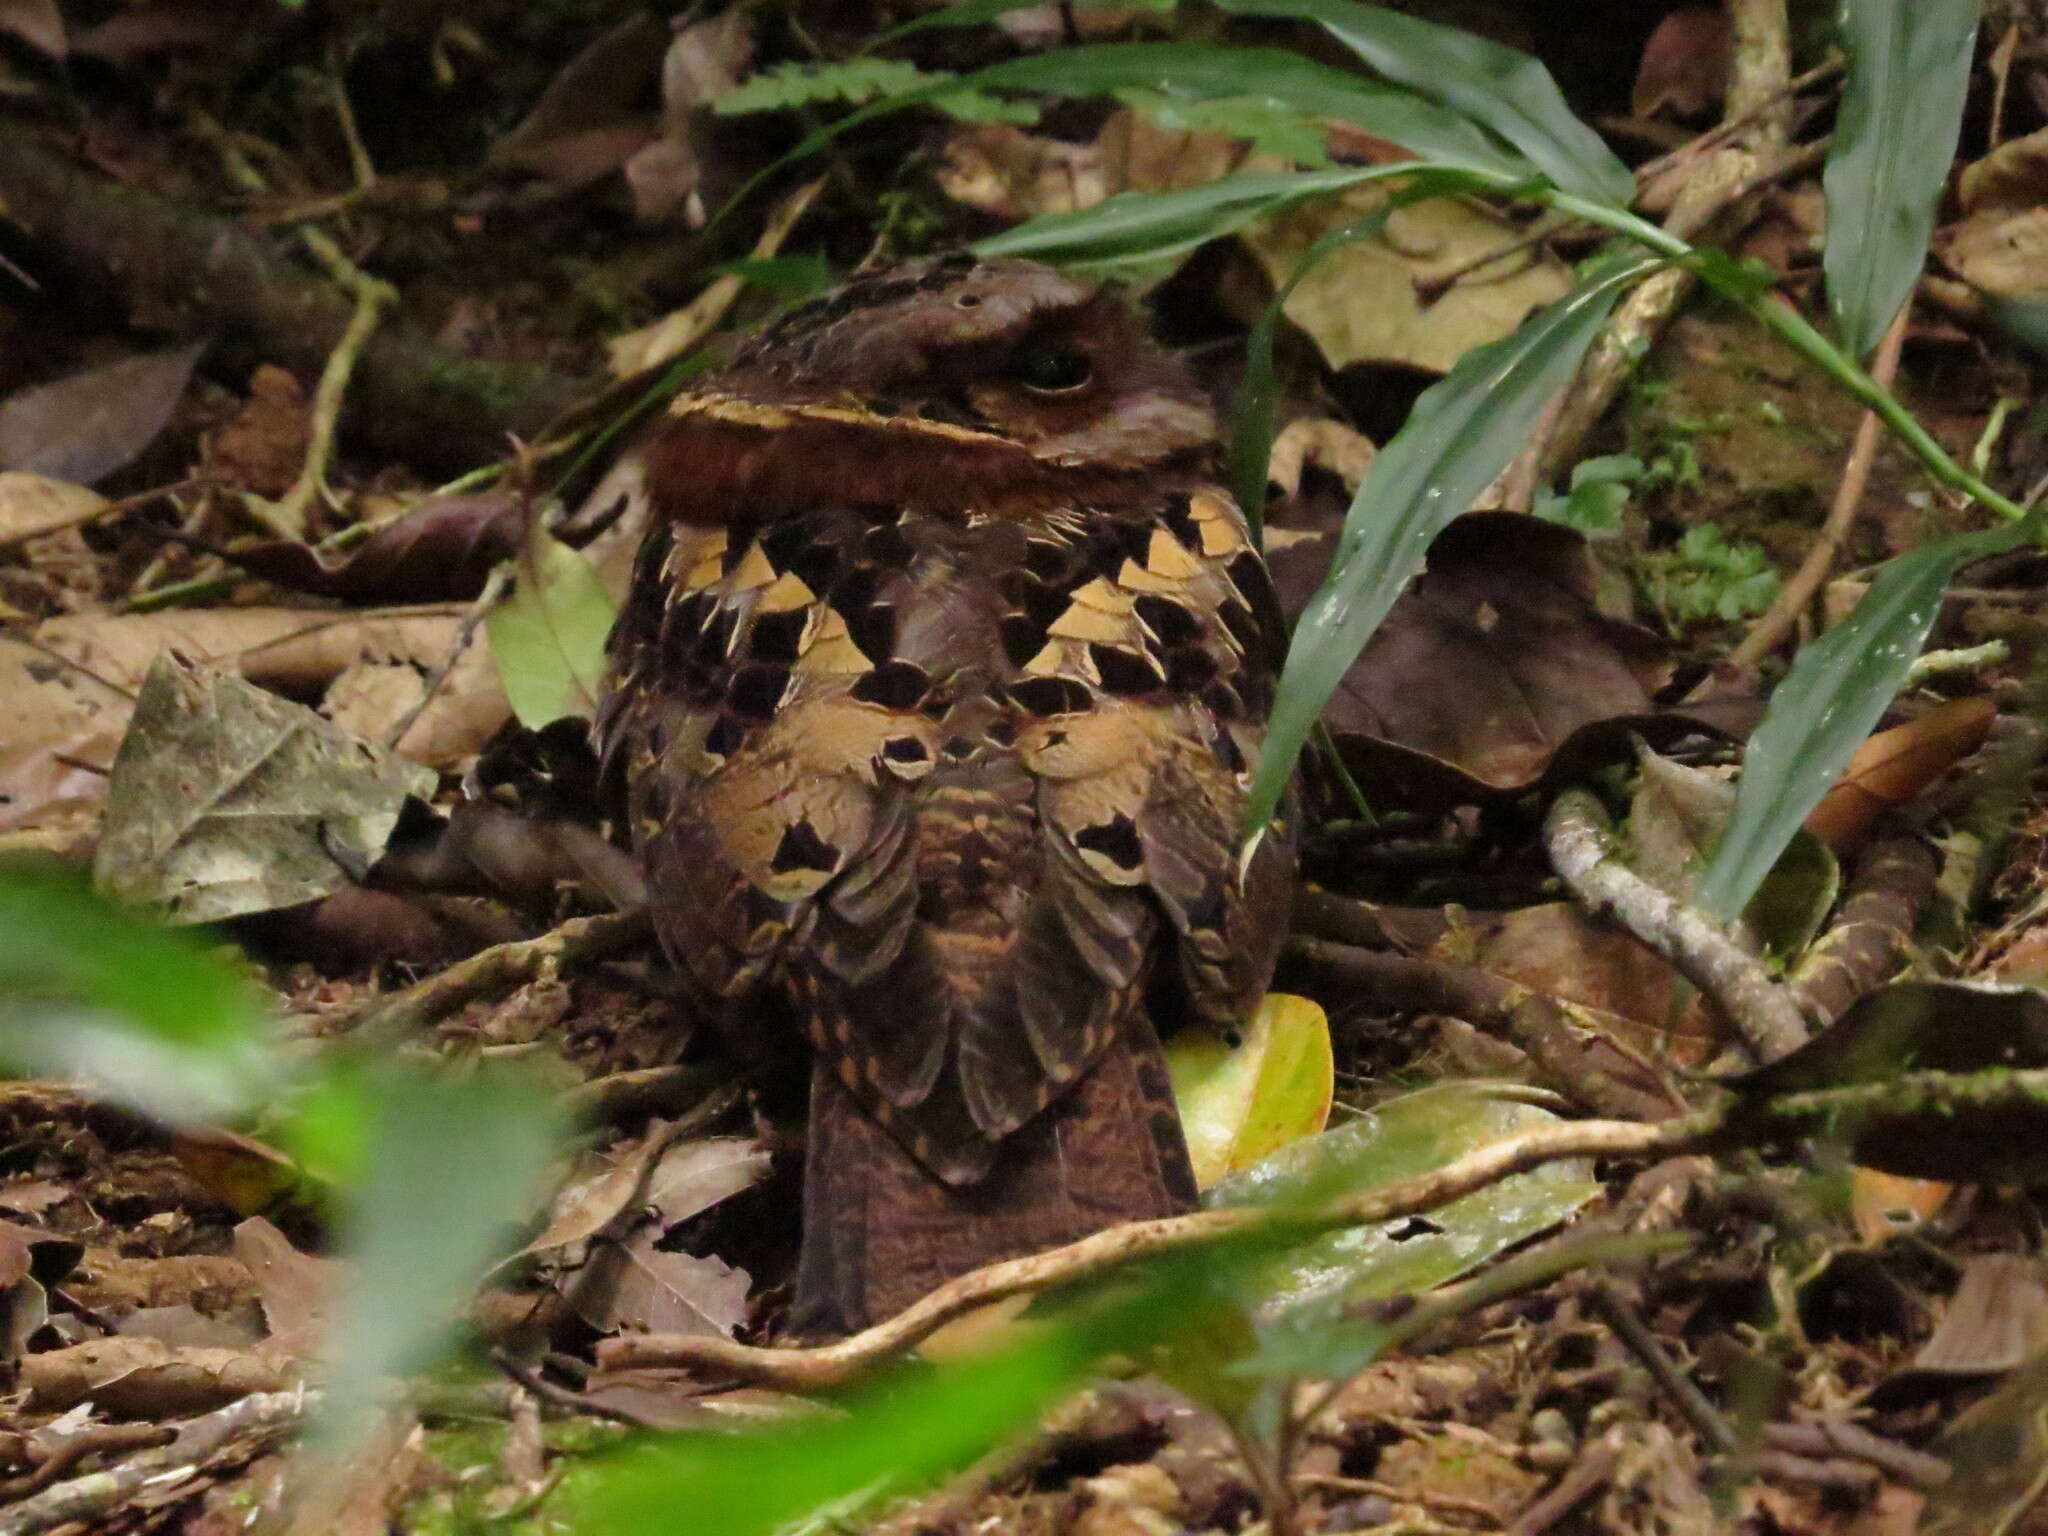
(1763, 1013)
(496, 971)
(1770, 631)
(264, 1417)
(831, 1365)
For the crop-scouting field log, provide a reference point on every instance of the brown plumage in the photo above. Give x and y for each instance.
(936, 695)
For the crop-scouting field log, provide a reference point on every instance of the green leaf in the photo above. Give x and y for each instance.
(1402, 1138)
(1495, 86)
(1270, 129)
(1205, 72)
(448, 1170)
(1141, 226)
(548, 636)
(1896, 132)
(91, 990)
(1461, 433)
(906, 1431)
(1828, 703)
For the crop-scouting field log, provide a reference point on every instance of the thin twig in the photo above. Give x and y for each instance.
(1685, 1395)
(465, 632)
(1764, 1014)
(1770, 631)
(496, 971)
(829, 1365)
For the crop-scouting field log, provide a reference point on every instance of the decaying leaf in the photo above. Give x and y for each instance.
(1996, 1321)
(227, 799)
(1548, 688)
(1673, 826)
(1240, 1104)
(36, 22)
(1615, 985)
(145, 1378)
(1376, 299)
(1012, 174)
(439, 551)
(593, 115)
(85, 427)
(1683, 72)
(705, 60)
(34, 505)
(676, 1180)
(295, 1287)
(1894, 766)
(635, 1284)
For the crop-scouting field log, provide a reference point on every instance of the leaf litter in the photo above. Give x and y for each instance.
(1509, 671)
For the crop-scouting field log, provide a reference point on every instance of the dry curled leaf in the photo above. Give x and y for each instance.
(1893, 767)
(441, 550)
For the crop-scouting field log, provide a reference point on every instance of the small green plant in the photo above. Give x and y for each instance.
(1707, 577)
(1599, 494)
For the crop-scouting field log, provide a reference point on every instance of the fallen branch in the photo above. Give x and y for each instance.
(830, 1365)
(1867, 939)
(262, 1418)
(1764, 1014)
(495, 972)
(1586, 1065)
(182, 270)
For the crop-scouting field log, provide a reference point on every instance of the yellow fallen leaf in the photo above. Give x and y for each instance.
(1238, 1104)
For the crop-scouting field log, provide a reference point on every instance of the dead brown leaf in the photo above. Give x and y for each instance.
(34, 505)
(1684, 69)
(85, 427)
(1438, 279)
(635, 1285)
(1494, 671)
(1893, 767)
(441, 550)
(295, 1287)
(144, 1378)
(166, 25)
(594, 114)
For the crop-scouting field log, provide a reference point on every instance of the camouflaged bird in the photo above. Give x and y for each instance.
(937, 696)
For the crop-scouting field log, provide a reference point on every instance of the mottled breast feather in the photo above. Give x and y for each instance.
(934, 730)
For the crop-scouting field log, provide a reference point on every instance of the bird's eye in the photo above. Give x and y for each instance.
(1054, 373)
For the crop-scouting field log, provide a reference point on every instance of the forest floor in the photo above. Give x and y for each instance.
(316, 325)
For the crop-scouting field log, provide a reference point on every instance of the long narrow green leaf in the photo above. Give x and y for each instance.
(89, 989)
(1461, 434)
(1826, 706)
(1141, 226)
(449, 1169)
(1902, 107)
(1495, 86)
(1207, 72)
